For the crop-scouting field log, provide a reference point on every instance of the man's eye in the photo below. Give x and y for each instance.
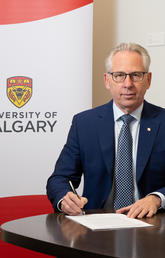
(136, 74)
(119, 74)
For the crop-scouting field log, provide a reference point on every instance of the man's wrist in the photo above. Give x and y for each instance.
(162, 199)
(158, 200)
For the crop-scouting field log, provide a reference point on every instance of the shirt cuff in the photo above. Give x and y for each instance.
(162, 197)
(59, 205)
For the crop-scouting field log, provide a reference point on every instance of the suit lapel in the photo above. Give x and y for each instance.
(148, 130)
(106, 135)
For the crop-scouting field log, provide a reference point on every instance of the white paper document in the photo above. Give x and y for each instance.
(107, 221)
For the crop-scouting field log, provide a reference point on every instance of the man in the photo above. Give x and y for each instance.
(92, 144)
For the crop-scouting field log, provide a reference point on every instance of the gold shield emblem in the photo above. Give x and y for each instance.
(19, 90)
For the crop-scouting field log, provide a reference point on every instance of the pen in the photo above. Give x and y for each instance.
(75, 192)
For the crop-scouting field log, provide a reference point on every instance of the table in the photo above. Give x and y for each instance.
(56, 235)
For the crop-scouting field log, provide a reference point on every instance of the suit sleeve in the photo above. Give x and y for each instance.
(68, 167)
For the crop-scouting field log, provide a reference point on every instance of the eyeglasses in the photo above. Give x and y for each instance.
(121, 76)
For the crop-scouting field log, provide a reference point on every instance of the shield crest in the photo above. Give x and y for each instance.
(19, 90)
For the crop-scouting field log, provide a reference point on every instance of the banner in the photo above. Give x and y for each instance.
(45, 78)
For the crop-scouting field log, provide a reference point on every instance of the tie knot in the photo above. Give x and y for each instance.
(127, 119)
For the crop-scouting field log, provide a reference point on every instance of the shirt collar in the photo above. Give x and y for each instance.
(118, 112)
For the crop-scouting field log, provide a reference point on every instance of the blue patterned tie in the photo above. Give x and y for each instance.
(123, 191)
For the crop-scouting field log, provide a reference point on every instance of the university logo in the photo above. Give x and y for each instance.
(19, 90)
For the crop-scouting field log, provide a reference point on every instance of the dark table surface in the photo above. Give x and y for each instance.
(56, 235)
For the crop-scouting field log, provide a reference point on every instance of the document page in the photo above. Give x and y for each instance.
(108, 221)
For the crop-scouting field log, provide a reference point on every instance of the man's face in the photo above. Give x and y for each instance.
(127, 95)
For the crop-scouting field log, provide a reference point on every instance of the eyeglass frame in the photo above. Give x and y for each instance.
(126, 74)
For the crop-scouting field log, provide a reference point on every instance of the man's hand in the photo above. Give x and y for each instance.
(72, 205)
(146, 206)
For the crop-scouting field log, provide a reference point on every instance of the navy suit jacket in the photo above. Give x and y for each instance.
(90, 150)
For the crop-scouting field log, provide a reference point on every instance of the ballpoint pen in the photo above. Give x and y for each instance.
(75, 192)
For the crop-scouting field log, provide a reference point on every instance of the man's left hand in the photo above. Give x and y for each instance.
(146, 206)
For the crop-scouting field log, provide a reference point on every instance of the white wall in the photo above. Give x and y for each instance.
(135, 19)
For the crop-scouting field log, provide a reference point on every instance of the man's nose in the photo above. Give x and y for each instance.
(128, 82)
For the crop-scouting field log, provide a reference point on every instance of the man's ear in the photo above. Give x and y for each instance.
(149, 77)
(106, 81)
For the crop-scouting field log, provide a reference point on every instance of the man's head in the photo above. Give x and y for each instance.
(128, 90)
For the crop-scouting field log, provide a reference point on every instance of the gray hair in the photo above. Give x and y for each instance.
(129, 47)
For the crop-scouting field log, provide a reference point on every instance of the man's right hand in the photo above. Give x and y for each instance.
(72, 205)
